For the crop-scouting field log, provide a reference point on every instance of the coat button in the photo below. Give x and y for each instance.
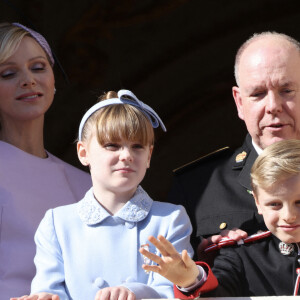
(99, 282)
(223, 226)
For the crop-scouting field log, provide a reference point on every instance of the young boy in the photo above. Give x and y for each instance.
(268, 266)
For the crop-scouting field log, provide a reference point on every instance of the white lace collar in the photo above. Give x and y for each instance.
(135, 210)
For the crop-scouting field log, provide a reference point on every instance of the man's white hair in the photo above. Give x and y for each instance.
(253, 38)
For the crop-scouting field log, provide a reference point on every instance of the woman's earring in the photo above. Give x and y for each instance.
(54, 90)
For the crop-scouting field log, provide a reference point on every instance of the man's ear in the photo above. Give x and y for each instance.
(82, 153)
(236, 93)
(257, 203)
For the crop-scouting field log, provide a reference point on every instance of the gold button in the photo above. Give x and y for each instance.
(223, 225)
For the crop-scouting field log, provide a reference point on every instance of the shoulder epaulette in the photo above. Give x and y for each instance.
(226, 241)
(200, 159)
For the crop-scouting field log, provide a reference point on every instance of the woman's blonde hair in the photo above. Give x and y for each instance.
(277, 162)
(11, 37)
(120, 121)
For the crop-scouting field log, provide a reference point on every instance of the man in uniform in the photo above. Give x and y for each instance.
(216, 189)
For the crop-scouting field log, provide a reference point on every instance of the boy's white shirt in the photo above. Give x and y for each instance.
(201, 278)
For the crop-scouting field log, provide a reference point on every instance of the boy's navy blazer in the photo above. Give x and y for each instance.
(254, 269)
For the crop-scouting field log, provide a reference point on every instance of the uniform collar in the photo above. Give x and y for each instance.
(136, 209)
(245, 177)
(245, 150)
(245, 164)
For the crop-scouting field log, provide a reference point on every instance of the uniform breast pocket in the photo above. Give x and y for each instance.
(213, 224)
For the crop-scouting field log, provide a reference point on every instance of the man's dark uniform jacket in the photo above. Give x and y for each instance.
(254, 269)
(216, 192)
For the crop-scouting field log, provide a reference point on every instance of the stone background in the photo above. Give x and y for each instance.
(175, 55)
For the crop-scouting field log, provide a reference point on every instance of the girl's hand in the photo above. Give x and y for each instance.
(39, 296)
(115, 293)
(179, 269)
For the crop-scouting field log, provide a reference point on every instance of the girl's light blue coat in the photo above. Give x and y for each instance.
(81, 248)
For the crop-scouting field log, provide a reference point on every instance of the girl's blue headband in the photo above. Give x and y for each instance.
(124, 97)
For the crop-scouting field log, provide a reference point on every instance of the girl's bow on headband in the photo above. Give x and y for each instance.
(124, 97)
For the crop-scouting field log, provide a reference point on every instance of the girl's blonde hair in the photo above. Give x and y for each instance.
(115, 122)
(277, 162)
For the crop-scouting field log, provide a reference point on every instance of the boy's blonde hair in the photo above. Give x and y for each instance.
(115, 122)
(277, 162)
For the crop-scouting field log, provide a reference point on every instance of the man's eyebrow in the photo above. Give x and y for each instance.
(256, 88)
(289, 83)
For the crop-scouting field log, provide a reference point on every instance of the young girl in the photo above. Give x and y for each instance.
(89, 250)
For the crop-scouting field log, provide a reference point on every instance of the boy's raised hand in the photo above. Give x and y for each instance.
(39, 296)
(179, 269)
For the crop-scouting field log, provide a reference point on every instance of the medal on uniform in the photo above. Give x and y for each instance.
(286, 249)
(240, 157)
